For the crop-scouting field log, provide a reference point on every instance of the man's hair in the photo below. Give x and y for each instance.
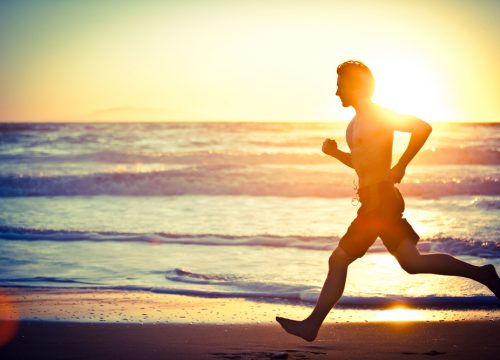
(359, 74)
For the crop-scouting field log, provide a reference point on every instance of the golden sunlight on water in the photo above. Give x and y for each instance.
(401, 313)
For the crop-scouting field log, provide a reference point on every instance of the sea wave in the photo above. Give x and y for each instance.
(228, 179)
(487, 204)
(239, 287)
(186, 276)
(45, 279)
(296, 154)
(281, 293)
(451, 245)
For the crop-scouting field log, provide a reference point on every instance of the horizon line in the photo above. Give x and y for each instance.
(215, 121)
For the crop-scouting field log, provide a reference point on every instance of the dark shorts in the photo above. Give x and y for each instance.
(380, 215)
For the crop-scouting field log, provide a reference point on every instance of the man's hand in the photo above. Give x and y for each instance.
(397, 173)
(329, 147)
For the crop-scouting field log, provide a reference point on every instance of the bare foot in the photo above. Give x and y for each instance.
(493, 282)
(301, 329)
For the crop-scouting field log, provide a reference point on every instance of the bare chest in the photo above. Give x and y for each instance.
(366, 135)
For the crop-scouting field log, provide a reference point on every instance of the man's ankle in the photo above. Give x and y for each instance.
(315, 321)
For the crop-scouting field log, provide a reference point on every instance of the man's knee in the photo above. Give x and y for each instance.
(409, 265)
(408, 257)
(340, 258)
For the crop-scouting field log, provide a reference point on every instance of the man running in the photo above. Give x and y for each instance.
(370, 137)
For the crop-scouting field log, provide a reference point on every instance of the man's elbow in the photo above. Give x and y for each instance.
(426, 128)
(421, 129)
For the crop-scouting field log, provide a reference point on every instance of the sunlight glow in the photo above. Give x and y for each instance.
(400, 313)
(411, 86)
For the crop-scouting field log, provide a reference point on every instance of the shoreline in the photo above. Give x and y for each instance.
(111, 306)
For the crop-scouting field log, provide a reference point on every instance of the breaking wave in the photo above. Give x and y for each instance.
(227, 179)
(451, 245)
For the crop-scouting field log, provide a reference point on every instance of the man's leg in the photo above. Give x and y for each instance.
(413, 262)
(330, 293)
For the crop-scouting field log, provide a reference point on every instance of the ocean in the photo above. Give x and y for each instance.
(233, 209)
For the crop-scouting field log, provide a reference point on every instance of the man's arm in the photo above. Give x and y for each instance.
(330, 148)
(420, 131)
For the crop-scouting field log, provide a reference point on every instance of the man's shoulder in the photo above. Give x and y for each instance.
(386, 116)
(350, 125)
(384, 112)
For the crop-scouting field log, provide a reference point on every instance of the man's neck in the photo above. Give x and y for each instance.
(363, 107)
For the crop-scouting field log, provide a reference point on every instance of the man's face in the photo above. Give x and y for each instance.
(345, 91)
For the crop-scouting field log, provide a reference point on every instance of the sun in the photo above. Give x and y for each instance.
(413, 87)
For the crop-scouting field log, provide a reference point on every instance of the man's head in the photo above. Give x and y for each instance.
(355, 83)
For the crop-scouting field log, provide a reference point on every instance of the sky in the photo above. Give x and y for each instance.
(234, 60)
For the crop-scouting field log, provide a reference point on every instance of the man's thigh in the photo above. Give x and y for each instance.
(360, 235)
(396, 232)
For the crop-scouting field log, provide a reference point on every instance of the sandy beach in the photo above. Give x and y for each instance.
(69, 340)
(62, 324)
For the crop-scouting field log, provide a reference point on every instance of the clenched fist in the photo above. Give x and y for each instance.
(329, 146)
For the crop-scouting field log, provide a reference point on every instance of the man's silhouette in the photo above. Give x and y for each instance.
(370, 137)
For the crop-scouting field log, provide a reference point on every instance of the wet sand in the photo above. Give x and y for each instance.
(415, 340)
(111, 306)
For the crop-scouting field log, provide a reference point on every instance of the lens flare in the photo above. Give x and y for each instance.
(9, 323)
